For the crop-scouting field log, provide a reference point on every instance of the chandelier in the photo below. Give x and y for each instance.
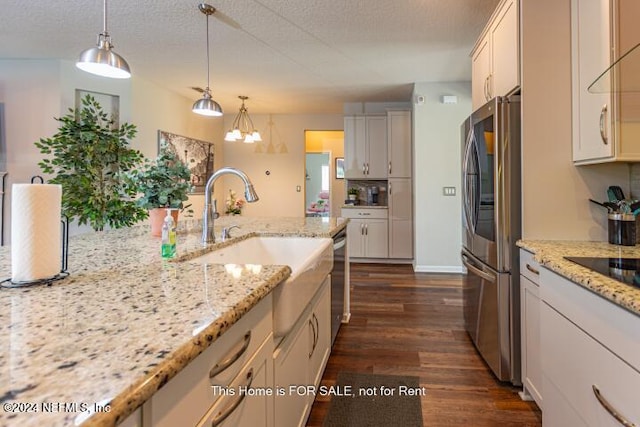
(243, 128)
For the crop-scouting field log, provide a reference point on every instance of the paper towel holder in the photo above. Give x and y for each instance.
(64, 223)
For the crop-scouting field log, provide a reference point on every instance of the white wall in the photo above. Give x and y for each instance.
(35, 92)
(436, 139)
(555, 193)
(275, 176)
(155, 108)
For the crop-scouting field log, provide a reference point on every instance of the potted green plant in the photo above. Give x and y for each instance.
(352, 193)
(90, 157)
(164, 182)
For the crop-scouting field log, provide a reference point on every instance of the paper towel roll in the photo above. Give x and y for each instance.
(35, 231)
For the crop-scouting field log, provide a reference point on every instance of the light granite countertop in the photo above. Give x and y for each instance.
(551, 255)
(125, 321)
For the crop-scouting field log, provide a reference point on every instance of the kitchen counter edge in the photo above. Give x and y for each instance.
(550, 254)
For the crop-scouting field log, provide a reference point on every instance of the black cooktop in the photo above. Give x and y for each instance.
(625, 270)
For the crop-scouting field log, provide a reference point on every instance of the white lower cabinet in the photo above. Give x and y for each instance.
(300, 359)
(243, 380)
(367, 232)
(590, 357)
(530, 327)
(251, 403)
(189, 396)
(133, 420)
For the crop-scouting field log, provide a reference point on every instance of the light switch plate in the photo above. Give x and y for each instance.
(449, 191)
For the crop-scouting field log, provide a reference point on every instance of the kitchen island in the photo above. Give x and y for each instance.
(93, 347)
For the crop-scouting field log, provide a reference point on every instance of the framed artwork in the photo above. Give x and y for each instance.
(198, 155)
(110, 103)
(339, 167)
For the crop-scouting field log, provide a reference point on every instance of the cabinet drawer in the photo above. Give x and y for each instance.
(365, 213)
(574, 362)
(528, 267)
(611, 325)
(237, 408)
(186, 398)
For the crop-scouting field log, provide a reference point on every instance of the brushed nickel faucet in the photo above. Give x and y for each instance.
(209, 214)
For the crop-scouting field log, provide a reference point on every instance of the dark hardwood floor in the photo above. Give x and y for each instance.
(406, 323)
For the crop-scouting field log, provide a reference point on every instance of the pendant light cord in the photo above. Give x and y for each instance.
(104, 21)
(208, 62)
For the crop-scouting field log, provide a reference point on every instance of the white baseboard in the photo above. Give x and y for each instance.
(437, 268)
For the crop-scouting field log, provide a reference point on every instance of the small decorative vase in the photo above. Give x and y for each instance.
(156, 218)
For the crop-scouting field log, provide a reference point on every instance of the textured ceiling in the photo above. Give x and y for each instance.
(288, 56)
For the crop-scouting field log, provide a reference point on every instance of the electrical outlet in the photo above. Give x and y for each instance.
(449, 191)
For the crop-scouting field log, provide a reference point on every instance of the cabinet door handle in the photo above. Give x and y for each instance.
(366, 229)
(603, 125)
(362, 229)
(364, 168)
(367, 168)
(317, 336)
(229, 409)
(218, 368)
(610, 409)
(533, 270)
(486, 90)
(389, 168)
(389, 188)
(489, 86)
(313, 330)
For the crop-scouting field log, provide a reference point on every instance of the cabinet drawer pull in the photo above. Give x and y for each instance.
(218, 368)
(229, 409)
(364, 213)
(610, 409)
(533, 270)
(603, 125)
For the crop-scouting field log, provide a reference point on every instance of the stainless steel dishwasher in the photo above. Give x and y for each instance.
(338, 277)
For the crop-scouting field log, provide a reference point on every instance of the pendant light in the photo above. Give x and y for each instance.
(243, 129)
(101, 59)
(207, 106)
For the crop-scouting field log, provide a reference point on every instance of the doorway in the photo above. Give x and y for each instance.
(317, 187)
(324, 188)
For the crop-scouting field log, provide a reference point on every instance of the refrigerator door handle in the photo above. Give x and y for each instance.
(467, 197)
(477, 271)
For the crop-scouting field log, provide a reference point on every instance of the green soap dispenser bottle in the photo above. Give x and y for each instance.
(168, 236)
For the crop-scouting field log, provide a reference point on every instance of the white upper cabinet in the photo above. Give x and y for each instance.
(399, 144)
(606, 126)
(495, 60)
(365, 144)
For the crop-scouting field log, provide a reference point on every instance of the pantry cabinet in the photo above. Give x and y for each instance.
(399, 147)
(365, 145)
(590, 357)
(400, 218)
(495, 60)
(606, 124)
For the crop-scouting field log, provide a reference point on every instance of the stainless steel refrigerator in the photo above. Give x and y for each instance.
(491, 225)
